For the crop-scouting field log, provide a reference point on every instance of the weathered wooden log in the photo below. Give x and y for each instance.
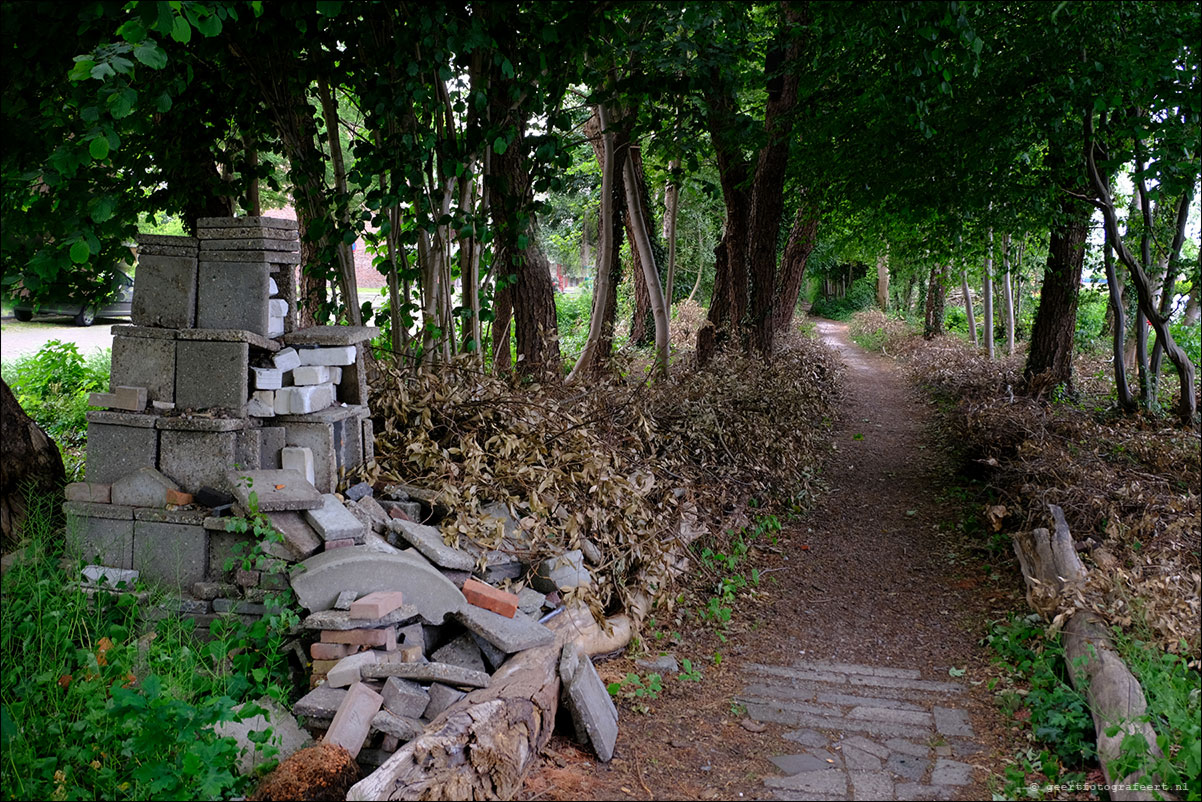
(1050, 564)
(483, 746)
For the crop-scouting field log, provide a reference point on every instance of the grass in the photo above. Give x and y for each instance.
(98, 701)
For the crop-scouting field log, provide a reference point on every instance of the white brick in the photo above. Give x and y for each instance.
(261, 404)
(268, 378)
(275, 326)
(342, 355)
(277, 307)
(311, 374)
(273, 288)
(335, 374)
(286, 359)
(293, 458)
(283, 400)
(312, 398)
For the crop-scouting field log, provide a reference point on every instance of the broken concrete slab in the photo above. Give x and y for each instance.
(507, 634)
(332, 335)
(588, 700)
(299, 538)
(286, 734)
(562, 573)
(428, 541)
(441, 697)
(145, 487)
(318, 580)
(348, 670)
(275, 490)
(352, 722)
(339, 620)
(462, 651)
(104, 576)
(392, 666)
(403, 728)
(320, 703)
(493, 656)
(405, 698)
(332, 521)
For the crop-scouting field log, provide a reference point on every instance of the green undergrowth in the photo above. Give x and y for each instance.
(102, 699)
(52, 386)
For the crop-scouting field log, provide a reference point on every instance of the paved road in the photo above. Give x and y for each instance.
(18, 339)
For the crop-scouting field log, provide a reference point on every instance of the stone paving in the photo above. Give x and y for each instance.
(864, 732)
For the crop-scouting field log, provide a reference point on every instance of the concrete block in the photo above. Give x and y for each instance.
(270, 258)
(232, 294)
(318, 438)
(196, 459)
(332, 521)
(332, 335)
(352, 722)
(345, 599)
(247, 243)
(321, 703)
(198, 422)
(175, 555)
(294, 458)
(248, 449)
(400, 728)
(218, 228)
(507, 634)
(114, 451)
(105, 576)
(145, 487)
(283, 401)
(493, 656)
(337, 620)
(564, 572)
(358, 491)
(393, 665)
(286, 359)
(132, 399)
(586, 697)
(271, 443)
(274, 490)
(268, 378)
(299, 537)
(215, 375)
(165, 291)
(88, 491)
(489, 598)
(441, 697)
(104, 541)
(318, 580)
(286, 734)
(405, 698)
(348, 442)
(369, 441)
(352, 389)
(376, 605)
(347, 671)
(251, 338)
(428, 541)
(463, 652)
(311, 374)
(337, 355)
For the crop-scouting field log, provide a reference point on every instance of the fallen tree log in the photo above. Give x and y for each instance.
(483, 746)
(1051, 568)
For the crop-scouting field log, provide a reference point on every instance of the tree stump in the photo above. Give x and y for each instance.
(30, 467)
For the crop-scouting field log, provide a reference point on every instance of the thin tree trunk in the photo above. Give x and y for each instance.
(1008, 295)
(671, 203)
(1168, 283)
(802, 239)
(346, 259)
(934, 310)
(642, 241)
(882, 280)
(987, 301)
(1127, 401)
(700, 249)
(968, 308)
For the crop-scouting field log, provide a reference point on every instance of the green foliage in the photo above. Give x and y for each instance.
(52, 387)
(1091, 332)
(572, 310)
(687, 672)
(99, 702)
(1059, 715)
(860, 295)
(637, 690)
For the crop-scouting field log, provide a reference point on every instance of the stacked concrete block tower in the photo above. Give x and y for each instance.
(216, 393)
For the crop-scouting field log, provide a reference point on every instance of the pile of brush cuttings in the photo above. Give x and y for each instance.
(625, 471)
(1129, 485)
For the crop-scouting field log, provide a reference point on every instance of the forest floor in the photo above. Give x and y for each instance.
(856, 663)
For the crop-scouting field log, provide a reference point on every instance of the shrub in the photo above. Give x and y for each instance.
(861, 295)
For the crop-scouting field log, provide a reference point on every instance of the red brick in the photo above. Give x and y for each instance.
(490, 598)
(395, 512)
(331, 651)
(178, 498)
(385, 637)
(376, 605)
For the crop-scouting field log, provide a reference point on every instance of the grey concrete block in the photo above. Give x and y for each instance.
(586, 697)
(951, 721)
(248, 449)
(348, 445)
(286, 734)
(253, 339)
(318, 580)
(340, 620)
(507, 634)
(332, 335)
(405, 698)
(463, 652)
(103, 541)
(271, 443)
(403, 728)
(803, 761)
(188, 422)
(428, 541)
(332, 521)
(493, 656)
(144, 362)
(136, 420)
(249, 231)
(441, 697)
(114, 451)
(232, 295)
(196, 459)
(145, 487)
(369, 441)
(391, 665)
(174, 555)
(211, 375)
(871, 785)
(348, 670)
(299, 537)
(951, 772)
(204, 224)
(274, 490)
(165, 291)
(321, 703)
(92, 509)
(253, 257)
(562, 573)
(319, 439)
(248, 243)
(227, 548)
(353, 387)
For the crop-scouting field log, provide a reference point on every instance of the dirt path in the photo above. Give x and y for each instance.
(856, 673)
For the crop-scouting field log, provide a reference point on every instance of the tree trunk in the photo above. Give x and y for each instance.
(933, 325)
(642, 242)
(1126, 400)
(31, 469)
(1007, 295)
(1168, 283)
(1050, 358)
(671, 204)
(802, 239)
(987, 301)
(968, 307)
(642, 324)
(502, 318)
(882, 280)
(1193, 307)
(346, 259)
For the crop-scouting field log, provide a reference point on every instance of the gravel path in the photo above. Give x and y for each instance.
(18, 339)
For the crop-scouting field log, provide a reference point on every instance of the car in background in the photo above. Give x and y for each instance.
(118, 304)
